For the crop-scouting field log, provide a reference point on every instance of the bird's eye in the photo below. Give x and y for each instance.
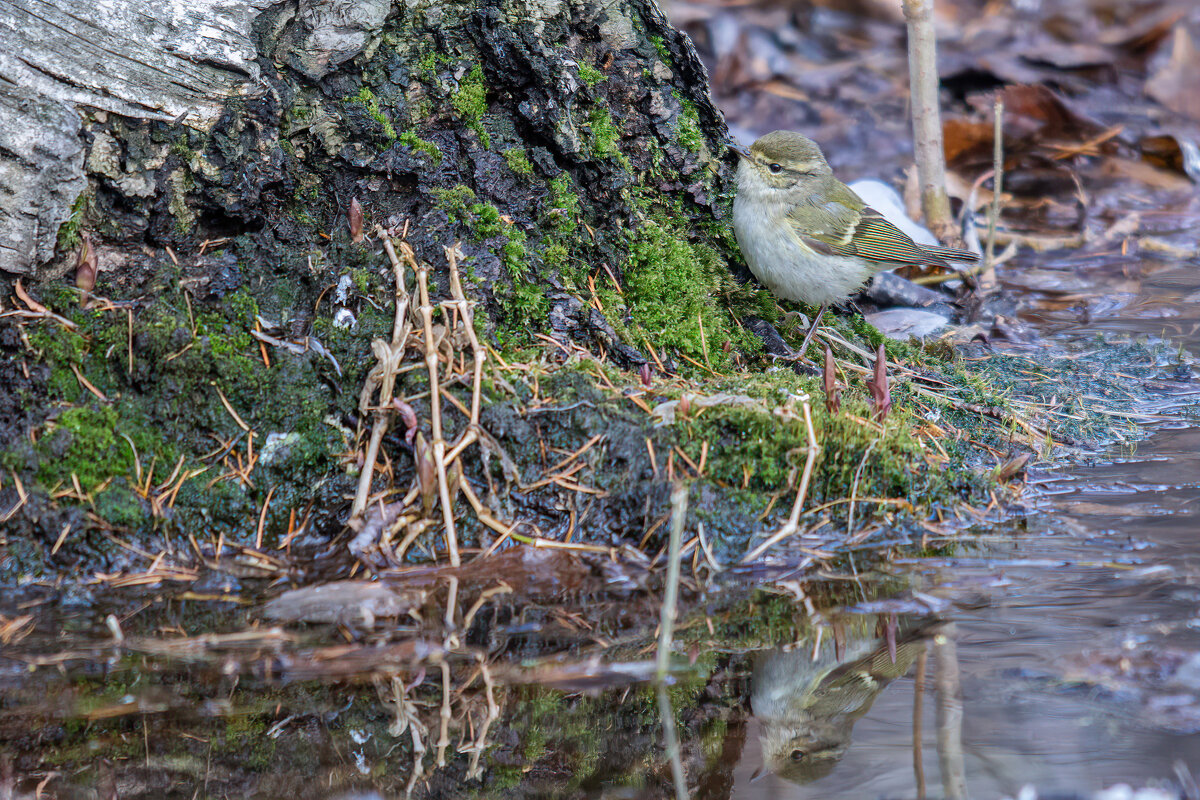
(775, 169)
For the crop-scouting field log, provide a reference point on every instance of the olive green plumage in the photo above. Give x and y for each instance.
(806, 235)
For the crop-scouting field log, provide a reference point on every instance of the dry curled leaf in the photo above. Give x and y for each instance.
(410, 419)
(881, 396)
(356, 221)
(1011, 468)
(86, 266)
(833, 395)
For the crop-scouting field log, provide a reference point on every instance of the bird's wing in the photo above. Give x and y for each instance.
(853, 228)
(873, 238)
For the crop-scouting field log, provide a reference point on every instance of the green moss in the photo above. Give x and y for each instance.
(523, 301)
(241, 308)
(518, 161)
(470, 101)
(83, 442)
(555, 255)
(455, 201)
(589, 74)
(367, 99)
(428, 64)
(690, 134)
(181, 147)
(68, 232)
(605, 136)
(670, 285)
(59, 348)
(564, 204)
(411, 140)
(604, 133)
(661, 48)
(487, 220)
(118, 505)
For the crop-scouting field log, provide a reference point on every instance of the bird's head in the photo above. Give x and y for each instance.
(782, 159)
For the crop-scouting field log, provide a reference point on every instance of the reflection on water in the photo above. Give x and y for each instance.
(807, 700)
(1082, 670)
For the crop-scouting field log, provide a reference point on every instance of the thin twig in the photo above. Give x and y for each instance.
(918, 722)
(679, 502)
(987, 279)
(493, 712)
(435, 413)
(793, 523)
(854, 487)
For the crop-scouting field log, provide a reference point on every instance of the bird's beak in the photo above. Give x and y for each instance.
(741, 151)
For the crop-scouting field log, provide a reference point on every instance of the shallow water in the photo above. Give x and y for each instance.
(1076, 626)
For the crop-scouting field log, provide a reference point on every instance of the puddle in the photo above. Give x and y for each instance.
(1080, 670)
(1070, 632)
(1075, 628)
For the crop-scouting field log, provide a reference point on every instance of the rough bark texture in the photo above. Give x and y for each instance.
(181, 62)
(568, 146)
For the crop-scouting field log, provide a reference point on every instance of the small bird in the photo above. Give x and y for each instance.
(806, 235)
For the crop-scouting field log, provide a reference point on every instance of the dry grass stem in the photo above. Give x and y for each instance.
(793, 524)
(679, 503)
(987, 278)
(435, 415)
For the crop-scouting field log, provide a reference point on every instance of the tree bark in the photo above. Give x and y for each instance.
(212, 151)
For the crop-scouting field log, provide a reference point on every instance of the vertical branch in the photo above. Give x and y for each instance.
(679, 502)
(949, 716)
(666, 623)
(987, 279)
(927, 122)
(918, 722)
(435, 413)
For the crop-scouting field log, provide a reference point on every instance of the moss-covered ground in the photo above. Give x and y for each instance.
(605, 273)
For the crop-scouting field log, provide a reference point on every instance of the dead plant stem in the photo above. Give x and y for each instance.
(793, 524)
(679, 503)
(987, 279)
(435, 413)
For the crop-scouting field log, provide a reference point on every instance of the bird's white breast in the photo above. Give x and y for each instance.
(779, 259)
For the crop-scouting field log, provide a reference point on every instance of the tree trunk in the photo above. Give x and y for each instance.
(218, 380)
(213, 151)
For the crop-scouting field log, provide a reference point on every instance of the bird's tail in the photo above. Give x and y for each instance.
(949, 253)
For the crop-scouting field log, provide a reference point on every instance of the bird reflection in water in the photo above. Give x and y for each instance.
(808, 706)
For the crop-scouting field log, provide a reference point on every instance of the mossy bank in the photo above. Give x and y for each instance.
(207, 390)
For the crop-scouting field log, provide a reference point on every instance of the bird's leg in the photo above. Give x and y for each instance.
(813, 328)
